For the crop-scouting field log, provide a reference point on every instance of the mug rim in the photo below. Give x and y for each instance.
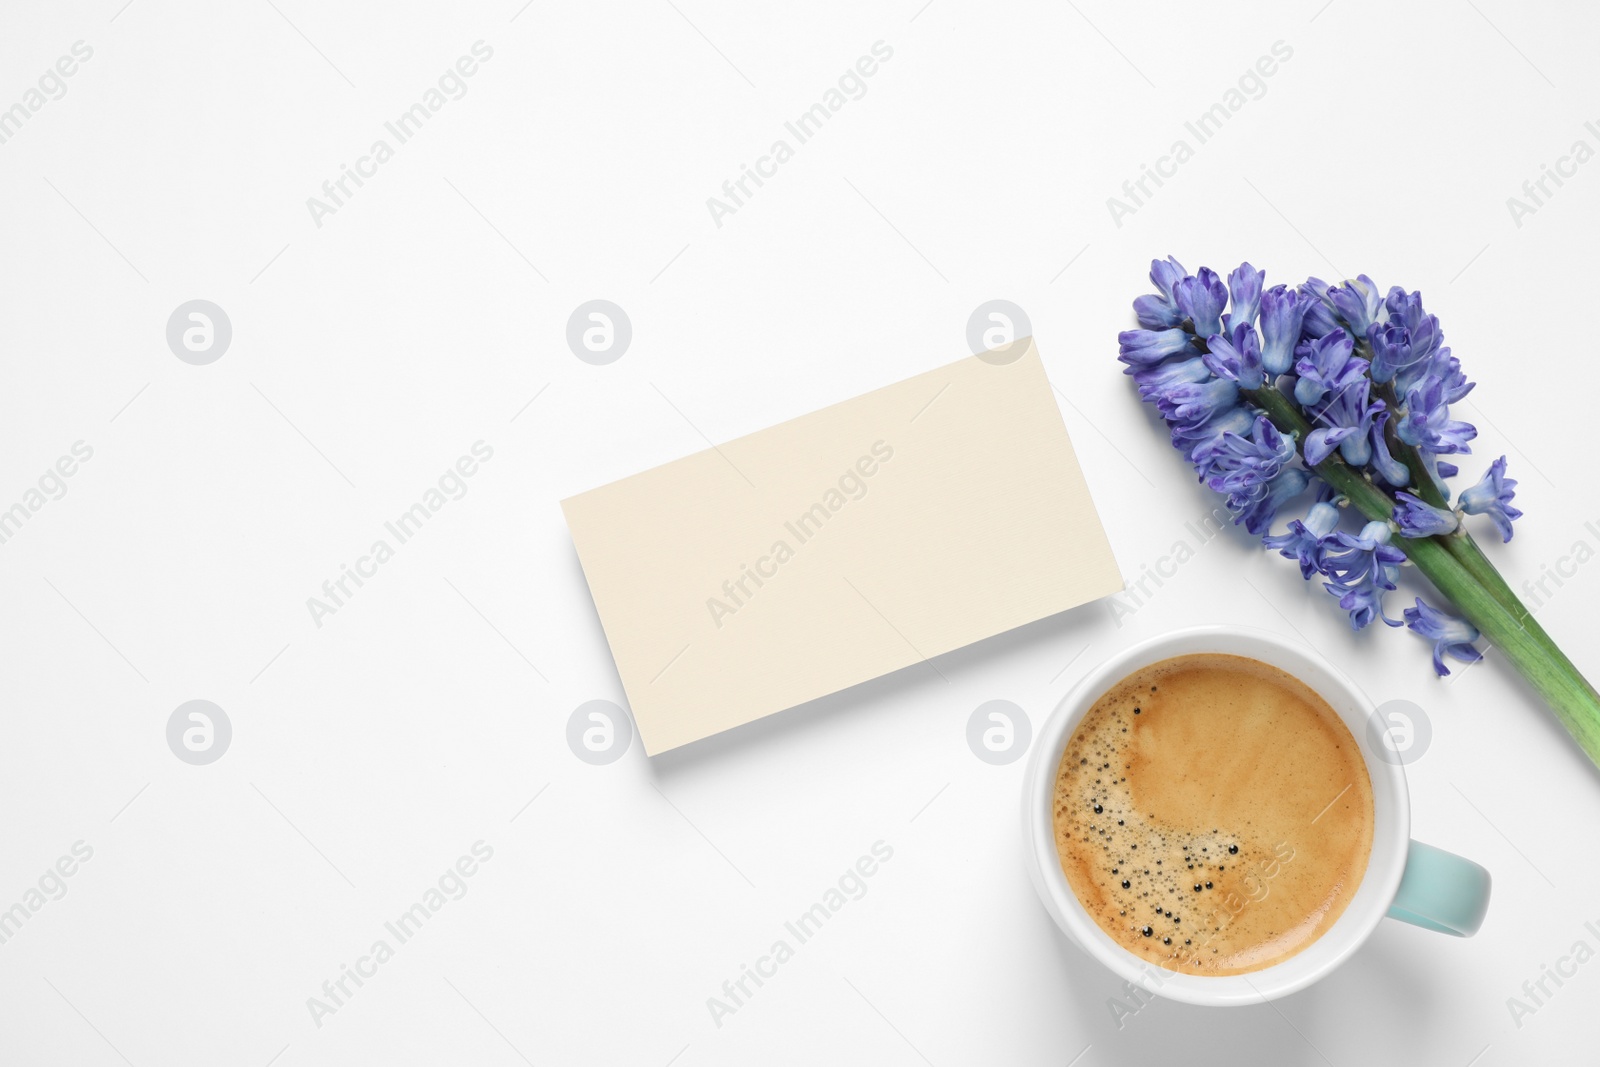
(1385, 864)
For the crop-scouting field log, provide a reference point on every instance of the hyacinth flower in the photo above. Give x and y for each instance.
(1448, 634)
(1336, 399)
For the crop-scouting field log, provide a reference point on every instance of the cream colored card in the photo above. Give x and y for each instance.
(839, 546)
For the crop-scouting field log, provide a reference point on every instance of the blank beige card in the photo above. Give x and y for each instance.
(839, 546)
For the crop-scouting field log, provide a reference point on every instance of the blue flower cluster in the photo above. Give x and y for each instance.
(1367, 370)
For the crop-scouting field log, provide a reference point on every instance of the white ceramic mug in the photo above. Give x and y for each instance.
(1405, 879)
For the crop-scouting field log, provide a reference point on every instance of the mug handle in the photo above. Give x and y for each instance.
(1441, 891)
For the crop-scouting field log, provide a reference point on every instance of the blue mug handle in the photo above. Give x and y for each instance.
(1441, 891)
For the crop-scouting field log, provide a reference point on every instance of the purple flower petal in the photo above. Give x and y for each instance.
(1321, 442)
(1282, 312)
(1448, 634)
(1244, 290)
(1237, 357)
(1304, 539)
(1417, 518)
(1492, 497)
(1146, 348)
(1202, 298)
(1359, 569)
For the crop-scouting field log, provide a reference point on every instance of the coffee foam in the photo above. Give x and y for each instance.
(1213, 814)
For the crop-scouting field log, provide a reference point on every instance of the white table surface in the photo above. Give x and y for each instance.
(429, 313)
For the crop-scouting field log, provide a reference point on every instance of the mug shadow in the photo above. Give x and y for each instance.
(1382, 989)
(1132, 1027)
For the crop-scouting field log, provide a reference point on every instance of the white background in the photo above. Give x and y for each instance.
(370, 352)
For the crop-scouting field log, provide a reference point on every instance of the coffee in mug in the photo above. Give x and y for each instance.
(1213, 814)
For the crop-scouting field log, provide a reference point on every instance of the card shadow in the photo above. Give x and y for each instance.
(1072, 631)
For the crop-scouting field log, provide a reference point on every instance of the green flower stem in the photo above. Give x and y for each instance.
(1465, 548)
(1461, 544)
(1552, 676)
